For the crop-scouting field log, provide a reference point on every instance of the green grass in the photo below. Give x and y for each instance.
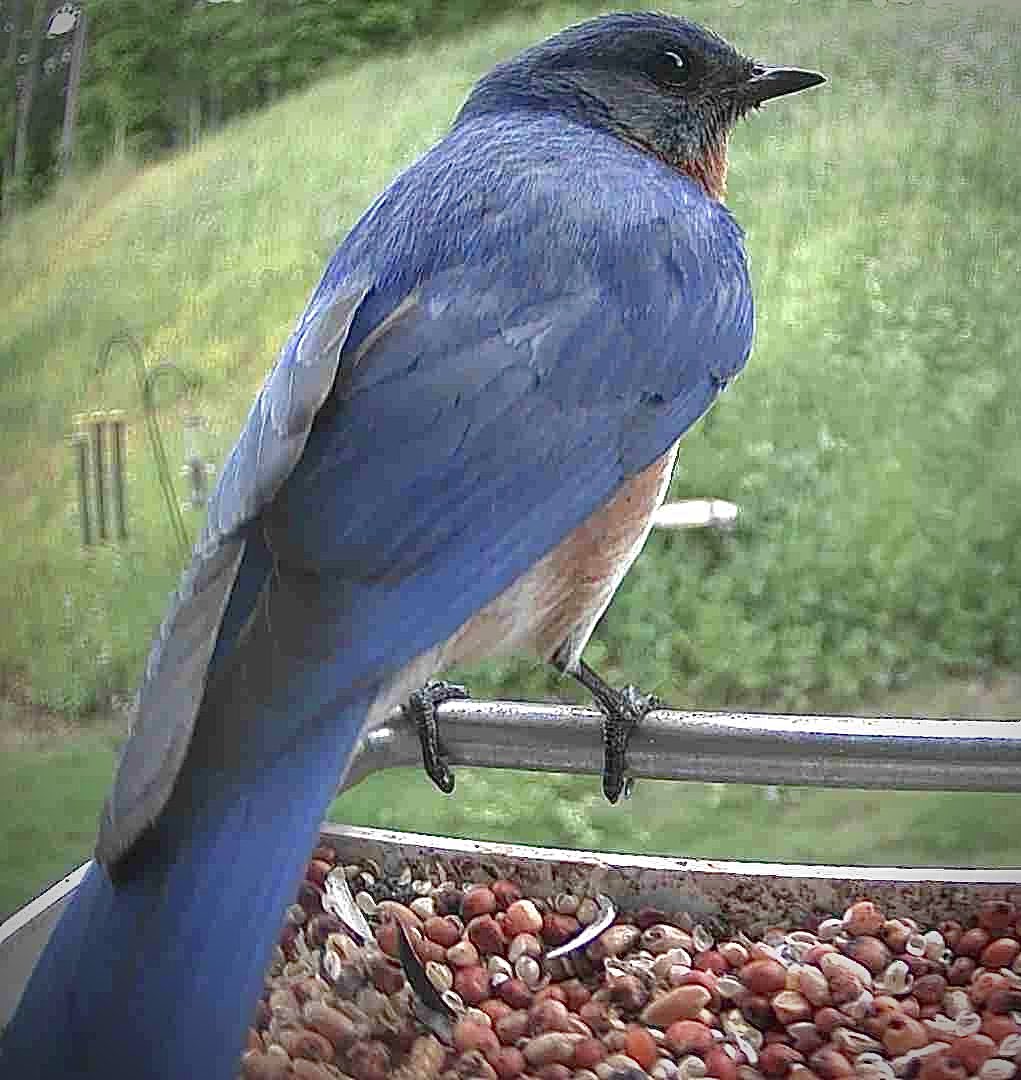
(872, 444)
(714, 821)
(52, 791)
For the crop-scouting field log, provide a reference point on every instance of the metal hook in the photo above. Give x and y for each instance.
(147, 377)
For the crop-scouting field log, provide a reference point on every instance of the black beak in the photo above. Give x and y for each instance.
(767, 82)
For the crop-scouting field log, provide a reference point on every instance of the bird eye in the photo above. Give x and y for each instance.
(670, 68)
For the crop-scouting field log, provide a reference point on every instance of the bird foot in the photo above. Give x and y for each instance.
(623, 710)
(619, 722)
(421, 706)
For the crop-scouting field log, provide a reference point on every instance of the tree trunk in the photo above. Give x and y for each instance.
(120, 139)
(194, 119)
(11, 87)
(71, 103)
(25, 105)
(215, 106)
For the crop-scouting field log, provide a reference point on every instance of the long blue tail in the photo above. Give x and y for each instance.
(158, 973)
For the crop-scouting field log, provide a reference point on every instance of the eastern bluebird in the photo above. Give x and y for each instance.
(458, 452)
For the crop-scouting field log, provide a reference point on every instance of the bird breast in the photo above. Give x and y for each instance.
(553, 608)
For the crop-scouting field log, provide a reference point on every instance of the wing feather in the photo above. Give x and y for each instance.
(178, 665)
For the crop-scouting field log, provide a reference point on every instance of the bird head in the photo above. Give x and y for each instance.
(661, 83)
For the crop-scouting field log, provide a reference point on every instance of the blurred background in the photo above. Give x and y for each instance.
(175, 175)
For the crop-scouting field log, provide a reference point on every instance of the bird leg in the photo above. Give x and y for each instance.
(622, 711)
(422, 706)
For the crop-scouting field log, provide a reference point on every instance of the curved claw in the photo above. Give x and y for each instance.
(615, 778)
(438, 771)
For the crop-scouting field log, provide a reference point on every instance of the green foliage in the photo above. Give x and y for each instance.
(159, 73)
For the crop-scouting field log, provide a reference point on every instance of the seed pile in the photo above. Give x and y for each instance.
(653, 995)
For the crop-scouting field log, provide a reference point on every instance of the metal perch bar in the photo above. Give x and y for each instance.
(749, 748)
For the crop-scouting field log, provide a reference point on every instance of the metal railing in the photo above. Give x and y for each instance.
(751, 748)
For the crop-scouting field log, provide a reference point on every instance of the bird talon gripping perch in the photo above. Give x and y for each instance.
(421, 706)
(457, 454)
(622, 711)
